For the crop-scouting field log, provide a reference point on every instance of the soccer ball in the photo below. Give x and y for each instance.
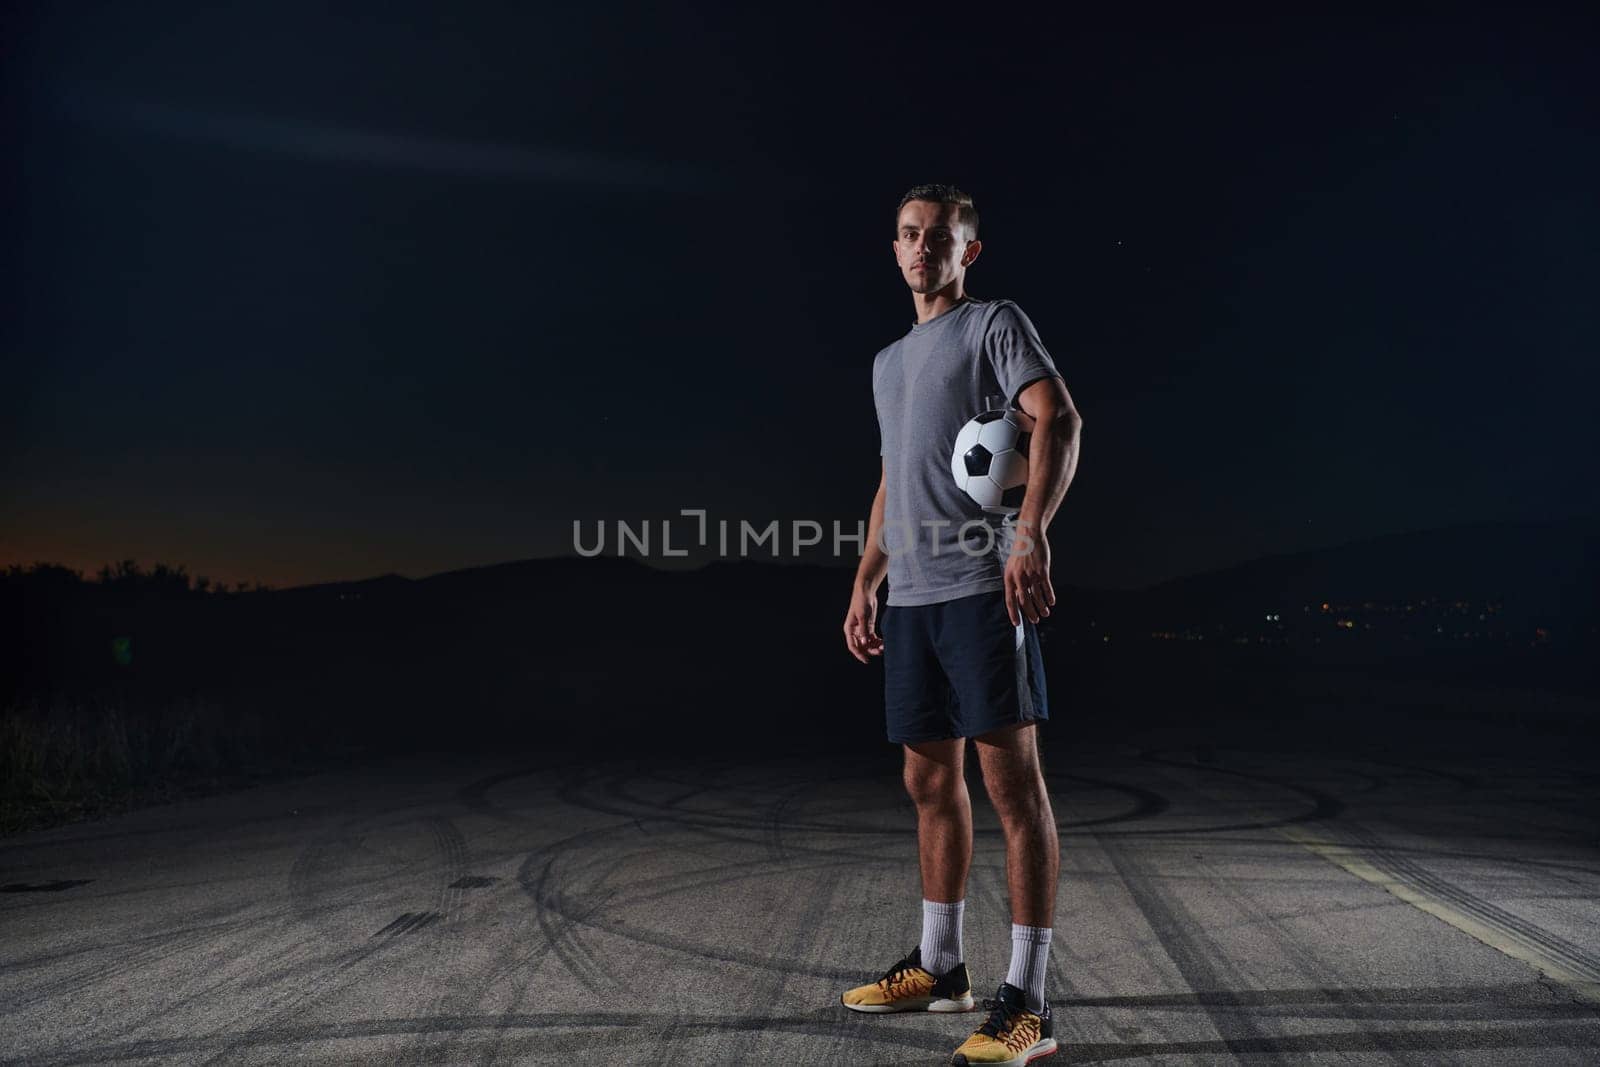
(990, 460)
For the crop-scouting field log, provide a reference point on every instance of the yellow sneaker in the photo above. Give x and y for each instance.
(907, 987)
(1011, 1036)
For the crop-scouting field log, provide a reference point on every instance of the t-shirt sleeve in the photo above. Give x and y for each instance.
(1014, 349)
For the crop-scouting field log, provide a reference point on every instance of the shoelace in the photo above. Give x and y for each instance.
(894, 973)
(1000, 1016)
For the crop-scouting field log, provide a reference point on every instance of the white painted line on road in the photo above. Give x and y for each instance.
(1518, 948)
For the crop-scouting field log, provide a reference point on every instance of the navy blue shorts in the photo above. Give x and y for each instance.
(959, 669)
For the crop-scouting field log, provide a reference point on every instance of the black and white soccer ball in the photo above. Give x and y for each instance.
(990, 460)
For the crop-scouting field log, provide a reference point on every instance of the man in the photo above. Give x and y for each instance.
(959, 643)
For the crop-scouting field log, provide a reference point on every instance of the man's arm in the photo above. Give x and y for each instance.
(1052, 462)
(860, 622)
(874, 561)
(1052, 452)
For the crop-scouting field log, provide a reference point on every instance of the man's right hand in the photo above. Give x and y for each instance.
(861, 626)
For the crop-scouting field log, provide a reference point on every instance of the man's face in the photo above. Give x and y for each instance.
(931, 245)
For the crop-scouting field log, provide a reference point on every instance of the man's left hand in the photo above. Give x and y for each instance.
(1029, 593)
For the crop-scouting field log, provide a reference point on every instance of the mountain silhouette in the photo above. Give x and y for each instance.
(612, 651)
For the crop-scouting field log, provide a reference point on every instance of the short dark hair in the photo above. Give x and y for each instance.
(944, 194)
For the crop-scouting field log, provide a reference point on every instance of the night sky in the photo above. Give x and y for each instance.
(405, 287)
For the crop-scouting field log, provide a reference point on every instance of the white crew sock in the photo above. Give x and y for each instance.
(941, 935)
(1030, 955)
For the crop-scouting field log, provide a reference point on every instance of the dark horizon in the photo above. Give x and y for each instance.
(845, 566)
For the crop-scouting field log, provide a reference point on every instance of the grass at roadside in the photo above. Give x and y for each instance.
(71, 759)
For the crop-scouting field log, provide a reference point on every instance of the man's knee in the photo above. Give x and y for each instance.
(1017, 791)
(934, 785)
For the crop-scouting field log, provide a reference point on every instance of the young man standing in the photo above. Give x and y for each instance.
(959, 645)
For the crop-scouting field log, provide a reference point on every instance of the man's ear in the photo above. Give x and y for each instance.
(973, 248)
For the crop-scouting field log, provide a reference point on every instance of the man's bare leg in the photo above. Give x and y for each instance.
(935, 779)
(938, 787)
(1014, 779)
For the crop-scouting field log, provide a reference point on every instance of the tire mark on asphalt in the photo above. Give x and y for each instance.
(123, 959)
(1572, 965)
(1583, 964)
(316, 875)
(451, 845)
(798, 932)
(1198, 959)
(1147, 802)
(1346, 1001)
(560, 905)
(614, 1028)
(1324, 806)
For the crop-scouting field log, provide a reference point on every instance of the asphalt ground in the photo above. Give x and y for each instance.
(1216, 906)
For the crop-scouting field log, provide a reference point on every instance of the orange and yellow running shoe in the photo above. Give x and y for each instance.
(907, 987)
(1011, 1036)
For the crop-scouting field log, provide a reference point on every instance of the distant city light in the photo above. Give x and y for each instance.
(1399, 620)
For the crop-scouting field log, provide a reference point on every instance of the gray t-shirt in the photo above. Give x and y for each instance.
(926, 386)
